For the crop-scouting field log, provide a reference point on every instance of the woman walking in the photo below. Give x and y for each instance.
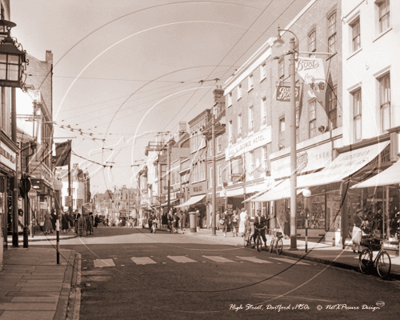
(242, 223)
(223, 222)
(65, 222)
(235, 223)
(48, 226)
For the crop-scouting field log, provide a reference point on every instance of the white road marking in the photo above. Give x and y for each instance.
(98, 263)
(217, 259)
(143, 260)
(291, 261)
(254, 259)
(181, 259)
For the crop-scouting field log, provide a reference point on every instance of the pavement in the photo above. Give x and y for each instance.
(318, 252)
(34, 287)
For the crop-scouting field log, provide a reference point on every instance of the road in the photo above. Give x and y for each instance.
(133, 274)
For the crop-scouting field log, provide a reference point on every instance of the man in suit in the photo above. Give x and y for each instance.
(259, 223)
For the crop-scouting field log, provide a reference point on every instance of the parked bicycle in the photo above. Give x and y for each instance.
(247, 236)
(382, 261)
(276, 242)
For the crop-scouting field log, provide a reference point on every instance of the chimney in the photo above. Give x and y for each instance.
(219, 97)
(49, 56)
(182, 126)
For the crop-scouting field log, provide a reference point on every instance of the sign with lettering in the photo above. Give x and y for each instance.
(311, 70)
(198, 188)
(256, 140)
(8, 157)
(283, 93)
(308, 160)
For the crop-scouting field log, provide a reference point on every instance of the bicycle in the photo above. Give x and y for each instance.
(276, 242)
(382, 261)
(247, 238)
(257, 240)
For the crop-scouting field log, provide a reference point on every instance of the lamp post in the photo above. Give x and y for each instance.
(57, 184)
(292, 122)
(12, 65)
(214, 177)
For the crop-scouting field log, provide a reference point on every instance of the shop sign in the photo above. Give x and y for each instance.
(43, 205)
(68, 201)
(8, 157)
(308, 160)
(283, 93)
(256, 140)
(179, 195)
(198, 188)
(32, 194)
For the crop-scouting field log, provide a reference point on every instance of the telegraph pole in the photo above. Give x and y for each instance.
(169, 174)
(214, 182)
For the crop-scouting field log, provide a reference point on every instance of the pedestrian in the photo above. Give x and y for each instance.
(79, 225)
(218, 226)
(175, 222)
(260, 226)
(242, 222)
(65, 220)
(183, 222)
(53, 218)
(72, 217)
(96, 220)
(48, 225)
(89, 223)
(198, 220)
(150, 222)
(235, 223)
(223, 221)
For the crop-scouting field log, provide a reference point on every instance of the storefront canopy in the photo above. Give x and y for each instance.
(264, 190)
(191, 201)
(170, 202)
(281, 191)
(387, 177)
(343, 166)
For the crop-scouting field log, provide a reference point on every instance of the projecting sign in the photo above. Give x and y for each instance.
(283, 93)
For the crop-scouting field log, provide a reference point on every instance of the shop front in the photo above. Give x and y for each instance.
(197, 201)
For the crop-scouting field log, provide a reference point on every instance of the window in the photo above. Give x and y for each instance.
(219, 146)
(384, 97)
(357, 111)
(384, 15)
(229, 98)
(312, 42)
(251, 119)
(332, 106)
(281, 69)
(250, 83)
(210, 185)
(203, 170)
(251, 163)
(263, 71)
(239, 91)
(230, 132)
(356, 38)
(281, 132)
(264, 159)
(240, 125)
(313, 118)
(219, 175)
(332, 33)
(297, 124)
(264, 111)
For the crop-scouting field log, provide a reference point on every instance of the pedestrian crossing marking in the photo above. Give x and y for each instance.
(181, 259)
(143, 260)
(98, 263)
(254, 259)
(291, 261)
(217, 259)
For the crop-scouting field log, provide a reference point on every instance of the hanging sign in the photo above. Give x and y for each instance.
(283, 93)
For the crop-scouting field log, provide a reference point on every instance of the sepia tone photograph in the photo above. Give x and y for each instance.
(199, 159)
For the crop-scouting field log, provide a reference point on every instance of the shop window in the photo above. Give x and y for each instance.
(356, 36)
(357, 115)
(332, 33)
(385, 102)
(315, 211)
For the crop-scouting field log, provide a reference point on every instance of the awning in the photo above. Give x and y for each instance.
(170, 201)
(343, 166)
(234, 192)
(281, 191)
(191, 201)
(387, 177)
(264, 190)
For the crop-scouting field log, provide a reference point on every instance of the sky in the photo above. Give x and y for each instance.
(126, 70)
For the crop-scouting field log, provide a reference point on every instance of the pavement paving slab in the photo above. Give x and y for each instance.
(18, 306)
(19, 315)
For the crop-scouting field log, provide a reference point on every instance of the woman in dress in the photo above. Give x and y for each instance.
(65, 222)
(235, 223)
(242, 223)
(48, 226)
(223, 222)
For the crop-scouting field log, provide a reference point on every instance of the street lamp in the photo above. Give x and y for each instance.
(12, 57)
(292, 122)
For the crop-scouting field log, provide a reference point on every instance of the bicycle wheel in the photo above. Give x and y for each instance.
(258, 243)
(271, 247)
(246, 240)
(279, 246)
(365, 260)
(383, 264)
